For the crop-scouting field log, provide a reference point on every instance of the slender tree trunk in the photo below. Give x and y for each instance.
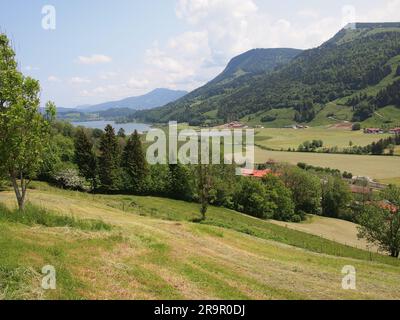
(395, 253)
(20, 192)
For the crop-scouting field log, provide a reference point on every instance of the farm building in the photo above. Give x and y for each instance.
(373, 131)
(394, 131)
(235, 125)
(389, 206)
(360, 189)
(259, 174)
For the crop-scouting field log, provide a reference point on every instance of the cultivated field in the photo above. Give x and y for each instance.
(376, 167)
(333, 229)
(155, 252)
(278, 139)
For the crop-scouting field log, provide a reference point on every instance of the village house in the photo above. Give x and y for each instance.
(373, 131)
(259, 174)
(234, 125)
(394, 131)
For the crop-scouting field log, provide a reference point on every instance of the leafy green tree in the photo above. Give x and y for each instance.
(134, 163)
(59, 155)
(180, 184)
(223, 185)
(85, 158)
(205, 185)
(380, 222)
(305, 187)
(109, 161)
(336, 196)
(23, 130)
(121, 133)
(158, 180)
(281, 197)
(251, 198)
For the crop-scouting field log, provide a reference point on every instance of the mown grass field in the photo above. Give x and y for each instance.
(376, 167)
(277, 139)
(153, 251)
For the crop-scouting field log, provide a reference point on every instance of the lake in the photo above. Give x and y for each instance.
(128, 127)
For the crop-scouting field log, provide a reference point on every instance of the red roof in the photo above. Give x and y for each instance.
(360, 190)
(256, 173)
(388, 206)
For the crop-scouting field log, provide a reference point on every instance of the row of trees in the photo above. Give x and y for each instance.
(375, 148)
(114, 168)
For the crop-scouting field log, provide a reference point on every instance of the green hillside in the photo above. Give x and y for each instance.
(356, 66)
(240, 71)
(153, 251)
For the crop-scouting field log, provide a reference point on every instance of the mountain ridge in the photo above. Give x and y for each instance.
(239, 70)
(152, 99)
(351, 61)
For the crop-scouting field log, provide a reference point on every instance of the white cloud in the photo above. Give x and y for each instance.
(218, 30)
(31, 68)
(136, 83)
(79, 80)
(53, 79)
(108, 75)
(308, 13)
(386, 11)
(94, 59)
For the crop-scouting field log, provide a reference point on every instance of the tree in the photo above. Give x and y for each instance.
(336, 196)
(281, 197)
(305, 188)
(109, 160)
(180, 186)
(121, 133)
(356, 126)
(134, 163)
(251, 198)
(205, 184)
(305, 112)
(23, 130)
(85, 158)
(380, 222)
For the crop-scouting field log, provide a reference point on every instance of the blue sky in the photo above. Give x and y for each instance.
(104, 50)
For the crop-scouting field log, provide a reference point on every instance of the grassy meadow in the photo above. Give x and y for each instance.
(376, 167)
(154, 251)
(282, 138)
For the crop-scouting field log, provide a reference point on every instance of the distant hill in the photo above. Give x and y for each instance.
(358, 68)
(153, 99)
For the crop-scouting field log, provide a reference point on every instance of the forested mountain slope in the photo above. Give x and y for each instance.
(240, 71)
(354, 60)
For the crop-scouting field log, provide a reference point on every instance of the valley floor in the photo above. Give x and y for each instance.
(376, 167)
(153, 252)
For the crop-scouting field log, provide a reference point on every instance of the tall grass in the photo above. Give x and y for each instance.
(33, 215)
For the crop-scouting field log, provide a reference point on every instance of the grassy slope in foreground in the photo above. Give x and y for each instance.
(149, 258)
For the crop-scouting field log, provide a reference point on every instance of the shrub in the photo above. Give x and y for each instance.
(268, 118)
(296, 218)
(70, 179)
(356, 127)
